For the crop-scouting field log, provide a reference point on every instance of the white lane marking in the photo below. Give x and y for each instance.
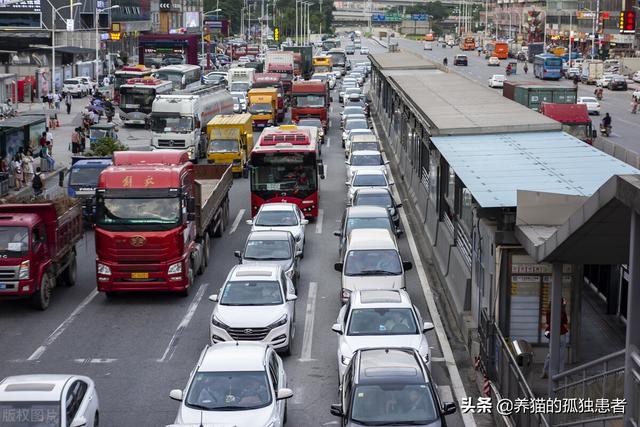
(438, 359)
(454, 373)
(309, 319)
(94, 360)
(171, 348)
(62, 327)
(328, 141)
(319, 221)
(326, 168)
(444, 391)
(236, 221)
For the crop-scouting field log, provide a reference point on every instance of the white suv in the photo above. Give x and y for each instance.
(38, 400)
(380, 318)
(371, 261)
(75, 87)
(366, 160)
(240, 384)
(256, 303)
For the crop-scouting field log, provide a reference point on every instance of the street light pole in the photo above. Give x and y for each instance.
(98, 12)
(202, 32)
(53, 40)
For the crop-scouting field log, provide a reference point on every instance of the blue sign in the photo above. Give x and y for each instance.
(377, 17)
(418, 17)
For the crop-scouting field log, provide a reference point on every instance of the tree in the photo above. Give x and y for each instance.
(105, 147)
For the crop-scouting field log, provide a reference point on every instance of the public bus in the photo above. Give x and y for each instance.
(183, 76)
(547, 66)
(285, 167)
(136, 98)
(338, 59)
(322, 64)
(125, 74)
(467, 43)
(500, 50)
(428, 41)
(330, 44)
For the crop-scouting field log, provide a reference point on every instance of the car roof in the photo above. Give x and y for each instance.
(389, 365)
(277, 207)
(369, 172)
(371, 238)
(366, 153)
(34, 387)
(270, 235)
(254, 272)
(356, 119)
(376, 298)
(372, 190)
(367, 211)
(234, 356)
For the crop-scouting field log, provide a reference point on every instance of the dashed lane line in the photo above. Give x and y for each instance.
(307, 339)
(236, 221)
(319, 221)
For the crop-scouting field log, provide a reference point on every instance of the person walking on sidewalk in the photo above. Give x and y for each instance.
(38, 183)
(50, 99)
(75, 141)
(67, 101)
(564, 338)
(18, 176)
(526, 68)
(49, 137)
(27, 166)
(56, 100)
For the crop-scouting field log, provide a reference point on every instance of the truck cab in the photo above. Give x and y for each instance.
(574, 118)
(231, 141)
(310, 99)
(83, 180)
(263, 106)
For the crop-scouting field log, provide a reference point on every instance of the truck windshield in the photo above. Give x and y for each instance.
(14, 241)
(85, 177)
(30, 414)
(260, 108)
(131, 211)
(309, 101)
(580, 131)
(224, 146)
(160, 124)
(239, 87)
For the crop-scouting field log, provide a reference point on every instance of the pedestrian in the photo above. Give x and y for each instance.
(43, 140)
(83, 136)
(564, 338)
(445, 61)
(16, 166)
(50, 99)
(75, 141)
(27, 166)
(38, 183)
(105, 81)
(576, 79)
(67, 101)
(56, 100)
(49, 138)
(525, 68)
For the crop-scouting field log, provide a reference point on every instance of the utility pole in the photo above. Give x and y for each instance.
(296, 22)
(596, 28)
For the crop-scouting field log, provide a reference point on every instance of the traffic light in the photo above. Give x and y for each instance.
(627, 24)
(276, 34)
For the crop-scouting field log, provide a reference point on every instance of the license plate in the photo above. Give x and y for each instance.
(3, 286)
(139, 275)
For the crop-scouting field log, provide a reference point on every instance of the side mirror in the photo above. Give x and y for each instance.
(61, 184)
(213, 298)
(338, 266)
(399, 232)
(176, 394)
(386, 162)
(79, 422)
(347, 183)
(284, 393)
(191, 205)
(449, 408)
(427, 326)
(398, 205)
(407, 265)
(292, 297)
(392, 183)
(347, 162)
(337, 233)
(237, 254)
(336, 409)
(249, 222)
(304, 222)
(337, 328)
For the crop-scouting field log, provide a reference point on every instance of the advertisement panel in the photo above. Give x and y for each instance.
(26, 14)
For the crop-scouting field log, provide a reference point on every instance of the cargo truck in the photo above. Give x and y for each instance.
(574, 118)
(155, 214)
(310, 99)
(180, 121)
(273, 80)
(37, 249)
(239, 79)
(591, 71)
(263, 106)
(231, 141)
(83, 180)
(531, 94)
(282, 63)
(306, 59)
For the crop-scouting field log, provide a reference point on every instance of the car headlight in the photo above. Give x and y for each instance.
(345, 360)
(175, 268)
(298, 237)
(289, 273)
(24, 270)
(104, 270)
(218, 323)
(346, 293)
(280, 322)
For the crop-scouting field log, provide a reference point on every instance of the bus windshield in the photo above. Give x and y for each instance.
(174, 77)
(284, 172)
(136, 97)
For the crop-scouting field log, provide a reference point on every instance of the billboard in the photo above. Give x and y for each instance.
(26, 14)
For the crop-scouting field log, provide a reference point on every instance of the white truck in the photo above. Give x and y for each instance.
(180, 121)
(592, 71)
(278, 62)
(240, 79)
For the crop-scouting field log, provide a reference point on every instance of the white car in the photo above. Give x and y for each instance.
(325, 77)
(256, 303)
(242, 97)
(353, 124)
(243, 60)
(241, 384)
(636, 93)
(365, 179)
(636, 77)
(493, 61)
(604, 80)
(497, 80)
(364, 50)
(65, 400)
(75, 87)
(358, 76)
(353, 133)
(281, 216)
(88, 83)
(365, 160)
(380, 318)
(593, 106)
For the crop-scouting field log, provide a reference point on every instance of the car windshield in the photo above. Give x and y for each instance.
(363, 146)
(224, 146)
(366, 180)
(180, 124)
(254, 292)
(366, 160)
(354, 223)
(373, 262)
(498, 77)
(353, 91)
(314, 123)
(356, 124)
(382, 321)
(85, 177)
(276, 219)
(229, 391)
(30, 414)
(401, 404)
(14, 241)
(114, 211)
(352, 110)
(267, 250)
(72, 82)
(260, 108)
(373, 199)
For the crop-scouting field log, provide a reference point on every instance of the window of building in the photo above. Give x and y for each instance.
(424, 165)
(466, 212)
(434, 163)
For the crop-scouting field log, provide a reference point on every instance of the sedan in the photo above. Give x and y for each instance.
(367, 178)
(593, 106)
(271, 248)
(357, 217)
(572, 72)
(493, 61)
(369, 160)
(497, 80)
(618, 83)
(636, 77)
(604, 80)
(242, 98)
(350, 116)
(380, 197)
(282, 216)
(364, 50)
(353, 133)
(460, 60)
(350, 125)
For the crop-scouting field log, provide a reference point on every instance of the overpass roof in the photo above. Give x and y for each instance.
(400, 61)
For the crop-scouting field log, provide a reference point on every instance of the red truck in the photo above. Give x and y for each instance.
(310, 98)
(38, 248)
(274, 80)
(280, 62)
(297, 63)
(574, 118)
(155, 213)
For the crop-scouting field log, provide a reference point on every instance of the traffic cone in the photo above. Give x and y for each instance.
(486, 387)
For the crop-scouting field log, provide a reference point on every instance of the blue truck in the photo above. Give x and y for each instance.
(83, 180)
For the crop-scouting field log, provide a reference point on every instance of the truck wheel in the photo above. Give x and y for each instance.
(245, 172)
(42, 297)
(191, 278)
(205, 250)
(70, 275)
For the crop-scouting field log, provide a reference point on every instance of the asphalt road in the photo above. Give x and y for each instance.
(138, 347)
(626, 126)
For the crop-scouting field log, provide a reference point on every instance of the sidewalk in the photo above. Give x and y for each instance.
(51, 188)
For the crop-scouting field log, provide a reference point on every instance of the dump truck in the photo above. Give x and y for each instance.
(574, 118)
(263, 106)
(38, 248)
(231, 141)
(591, 71)
(532, 94)
(155, 214)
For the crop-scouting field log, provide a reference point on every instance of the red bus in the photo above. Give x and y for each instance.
(285, 168)
(262, 80)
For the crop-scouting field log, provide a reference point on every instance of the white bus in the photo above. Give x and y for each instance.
(183, 76)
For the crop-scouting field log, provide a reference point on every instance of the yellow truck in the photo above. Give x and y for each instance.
(231, 141)
(263, 106)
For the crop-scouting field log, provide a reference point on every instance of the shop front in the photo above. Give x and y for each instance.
(167, 49)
